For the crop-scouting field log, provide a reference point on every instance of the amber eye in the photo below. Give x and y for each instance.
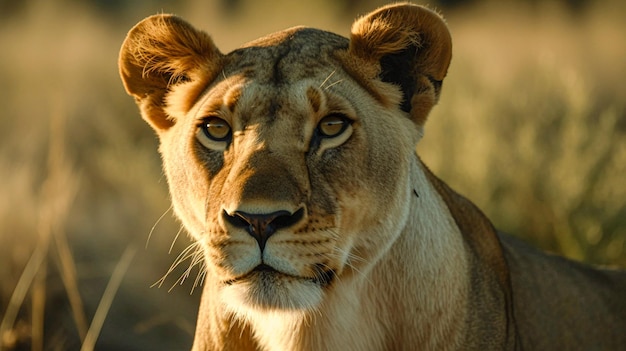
(216, 129)
(332, 125)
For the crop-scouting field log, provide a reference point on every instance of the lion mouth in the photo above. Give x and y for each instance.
(322, 277)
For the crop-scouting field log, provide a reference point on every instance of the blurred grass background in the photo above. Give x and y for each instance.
(531, 126)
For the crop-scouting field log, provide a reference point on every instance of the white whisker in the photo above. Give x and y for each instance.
(187, 253)
(196, 258)
(175, 238)
(352, 258)
(156, 224)
(330, 85)
(200, 277)
(327, 78)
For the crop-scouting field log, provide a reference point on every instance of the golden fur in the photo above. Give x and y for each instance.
(291, 161)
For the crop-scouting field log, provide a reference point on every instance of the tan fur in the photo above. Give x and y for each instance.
(369, 250)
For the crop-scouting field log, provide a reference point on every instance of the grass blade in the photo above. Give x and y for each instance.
(107, 299)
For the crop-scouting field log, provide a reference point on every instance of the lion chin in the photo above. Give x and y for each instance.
(266, 289)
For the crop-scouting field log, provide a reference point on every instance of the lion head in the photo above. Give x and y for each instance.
(289, 158)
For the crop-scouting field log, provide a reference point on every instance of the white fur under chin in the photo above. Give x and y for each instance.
(277, 314)
(279, 330)
(253, 297)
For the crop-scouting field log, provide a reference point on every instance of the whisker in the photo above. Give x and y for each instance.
(352, 258)
(182, 257)
(196, 258)
(327, 78)
(156, 224)
(180, 229)
(197, 261)
(330, 85)
(199, 281)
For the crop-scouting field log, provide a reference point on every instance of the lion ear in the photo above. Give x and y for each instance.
(159, 52)
(409, 46)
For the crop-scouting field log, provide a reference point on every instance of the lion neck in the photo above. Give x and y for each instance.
(415, 294)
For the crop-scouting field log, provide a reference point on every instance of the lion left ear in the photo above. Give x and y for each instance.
(409, 46)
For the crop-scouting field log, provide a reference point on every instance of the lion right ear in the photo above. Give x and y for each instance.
(160, 52)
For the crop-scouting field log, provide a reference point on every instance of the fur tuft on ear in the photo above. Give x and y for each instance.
(161, 51)
(409, 46)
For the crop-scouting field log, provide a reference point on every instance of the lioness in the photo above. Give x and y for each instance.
(292, 162)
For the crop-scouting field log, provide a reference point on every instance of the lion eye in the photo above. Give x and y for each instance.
(332, 125)
(216, 129)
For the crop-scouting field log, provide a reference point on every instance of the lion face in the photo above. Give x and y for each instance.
(287, 159)
(284, 178)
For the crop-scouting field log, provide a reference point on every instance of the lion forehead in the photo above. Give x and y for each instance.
(286, 57)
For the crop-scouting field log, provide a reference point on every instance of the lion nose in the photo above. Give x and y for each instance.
(262, 226)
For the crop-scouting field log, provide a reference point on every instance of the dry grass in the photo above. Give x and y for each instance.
(531, 126)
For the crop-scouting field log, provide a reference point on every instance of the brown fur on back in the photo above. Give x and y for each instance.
(565, 304)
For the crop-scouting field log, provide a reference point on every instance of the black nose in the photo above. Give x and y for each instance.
(262, 226)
